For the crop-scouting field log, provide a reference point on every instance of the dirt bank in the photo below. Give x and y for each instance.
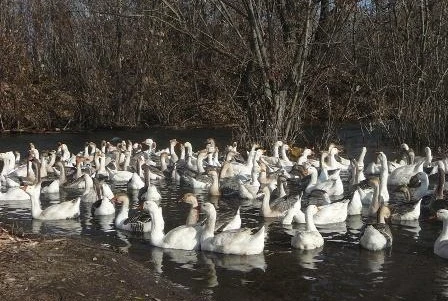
(49, 268)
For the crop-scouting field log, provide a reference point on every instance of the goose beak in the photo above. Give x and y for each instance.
(23, 187)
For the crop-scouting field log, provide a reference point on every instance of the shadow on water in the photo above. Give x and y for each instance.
(340, 270)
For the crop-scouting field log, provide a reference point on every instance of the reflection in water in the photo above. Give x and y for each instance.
(373, 260)
(237, 262)
(413, 227)
(105, 222)
(308, 259)
(61, 227)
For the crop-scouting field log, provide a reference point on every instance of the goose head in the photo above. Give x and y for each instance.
(312, 210)
(191, 199)
(442, 214)
(208, 208)
(120, 198)
(383, 213)
(151, 207)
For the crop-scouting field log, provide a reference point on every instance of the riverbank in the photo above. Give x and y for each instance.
(59, 268)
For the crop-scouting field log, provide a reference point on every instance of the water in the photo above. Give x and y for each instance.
(340, 270)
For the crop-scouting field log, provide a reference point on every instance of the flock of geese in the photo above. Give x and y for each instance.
(307, 189)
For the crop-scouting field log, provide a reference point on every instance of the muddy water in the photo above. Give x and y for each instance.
(341, 270)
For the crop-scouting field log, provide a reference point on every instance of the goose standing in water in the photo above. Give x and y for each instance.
(140, 222)
(64, 210)
(239, 242)
(310, 238)
(183, 237)
(104, 205)
(377, 236)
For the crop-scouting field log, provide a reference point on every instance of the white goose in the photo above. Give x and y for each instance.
(239, 242)
(249, 190)
(149, 192)
(183, 237)
(103, 205)
(136, 182)
(332, 213)
(310, 238)
(419, 186)
(294, 214)
(137, 223)
(377, 236)
(64, 210)
(333, 186)
(402, 175)
(441, 244)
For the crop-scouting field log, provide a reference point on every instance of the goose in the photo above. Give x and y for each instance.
(331, 213)
(238, 242)
(149, 191)
(304, 158)
(64, 210)
(294, 214)
(14, 193)
(406, 213)
(333, 186)
(136, 182)
(419, 184)
(139, 222)
(89, 194)
(355, 204)
(55, 185)
(8, 159)
(284, 161)
(310, 238)
(198, 179)
(274, 159)
(432, 203)
(278, 207)
(373, 168)
(402, 175)
(193, 214)
(376, 201)
(441, 243)
(246, 169)
(384, 177)
(229, 184)
(377, 236)
(183, 237)
(104, 205)
(33, 152)
(234, 223)
(333, 163)
(249, 190)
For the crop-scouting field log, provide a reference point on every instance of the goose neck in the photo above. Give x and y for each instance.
(444, 233)
(214, 188)
(36, 209)
(265, 205)
(123, 214)
(157, 227)
(209, 228)
(440, 184)
(310, 226)
(375, 204)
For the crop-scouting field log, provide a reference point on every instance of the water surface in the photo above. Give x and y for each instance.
(340, 270)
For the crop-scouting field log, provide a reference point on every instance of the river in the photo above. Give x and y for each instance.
(340, 270)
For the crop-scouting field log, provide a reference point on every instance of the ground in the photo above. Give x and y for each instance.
(52, 268)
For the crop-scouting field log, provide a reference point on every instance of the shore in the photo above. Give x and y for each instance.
(55, 268)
